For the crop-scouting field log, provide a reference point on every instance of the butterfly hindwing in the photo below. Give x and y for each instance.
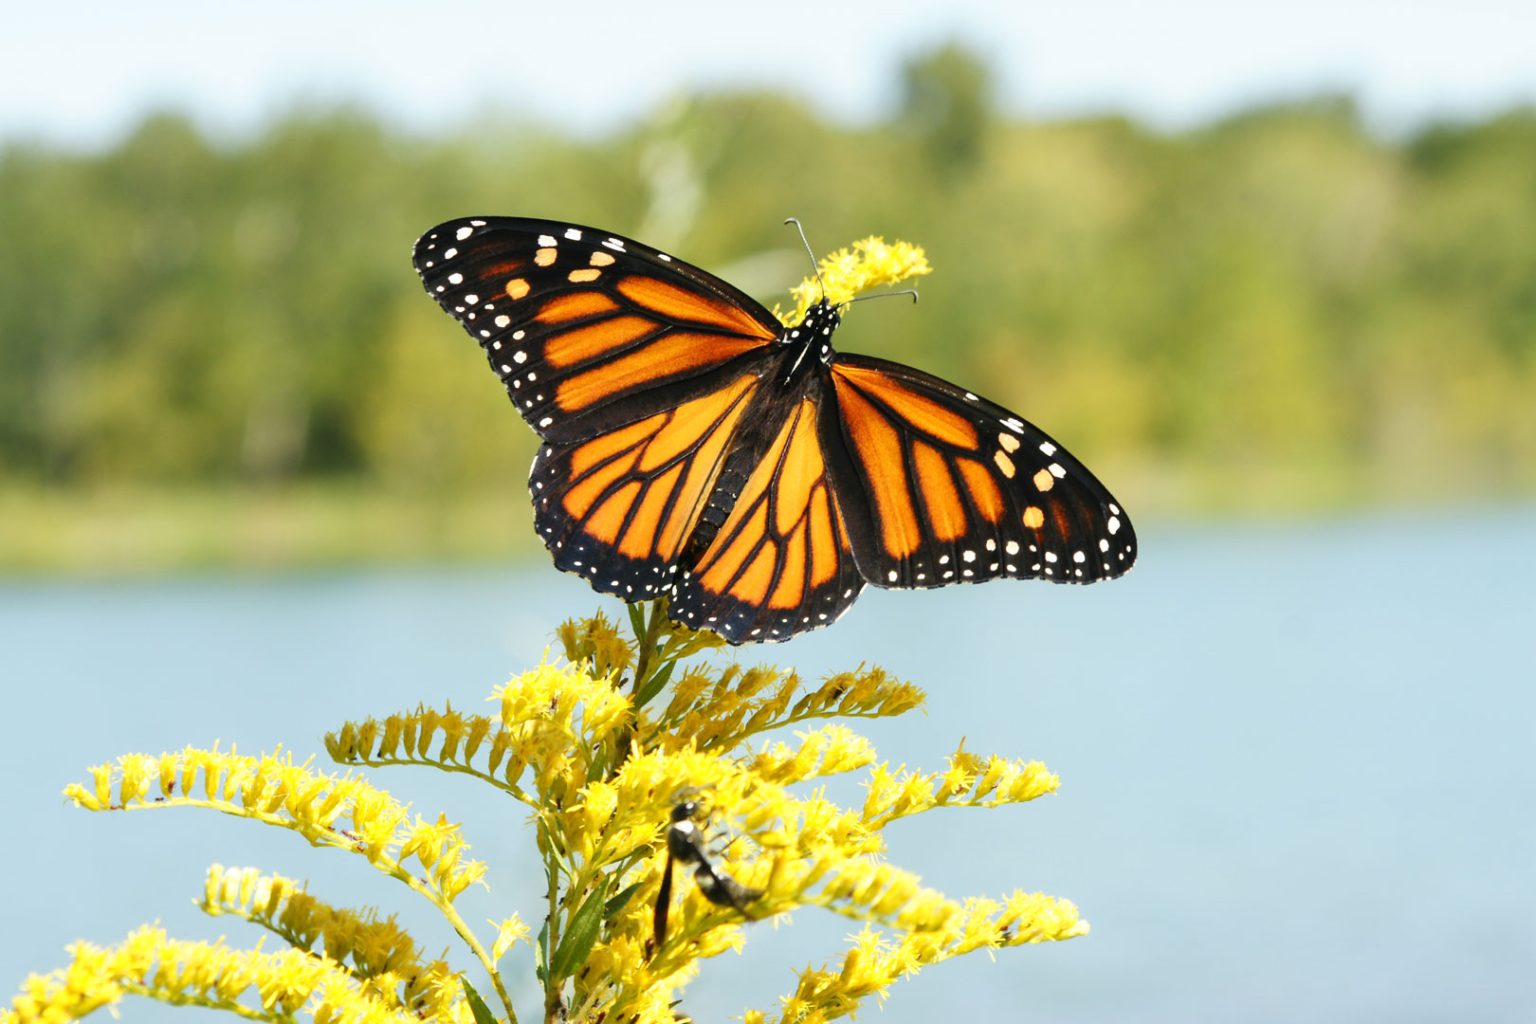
(942, 486)
(780, 562)
(583, 326)
(619, 508)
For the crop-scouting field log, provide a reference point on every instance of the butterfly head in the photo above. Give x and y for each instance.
(814, 332)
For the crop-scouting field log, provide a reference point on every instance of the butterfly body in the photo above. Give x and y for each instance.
(696, 448)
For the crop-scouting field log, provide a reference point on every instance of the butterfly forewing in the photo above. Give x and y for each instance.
(582, 326)
(942, 486)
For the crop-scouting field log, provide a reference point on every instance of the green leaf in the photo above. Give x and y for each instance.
(540, 955)
(483, 1014)
(636, 620)
(581, 935)
(616, 904)
(654, 684)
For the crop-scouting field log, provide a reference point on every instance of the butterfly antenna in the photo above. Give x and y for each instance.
(816, 267)
(884, 295)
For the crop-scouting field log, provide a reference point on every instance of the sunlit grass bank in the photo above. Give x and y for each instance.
(136, 531)
(132, 531)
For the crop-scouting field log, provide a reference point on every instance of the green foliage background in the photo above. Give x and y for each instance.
(1270, 313)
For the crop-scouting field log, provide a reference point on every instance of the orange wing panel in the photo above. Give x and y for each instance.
(878, 446)
(574, 306)
(922, 412)
(945, 513)
(668, 300)
(984, 490)
(583, 343)
(668, 355)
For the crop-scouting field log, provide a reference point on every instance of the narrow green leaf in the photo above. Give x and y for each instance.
(581, 935)
(654, 684)
(636, 619)
(616, 904)
(483, 1014)
(540, 955)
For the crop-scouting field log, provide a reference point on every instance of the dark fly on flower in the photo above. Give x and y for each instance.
(686, 845)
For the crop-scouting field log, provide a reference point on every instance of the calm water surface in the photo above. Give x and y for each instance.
(1298, 765)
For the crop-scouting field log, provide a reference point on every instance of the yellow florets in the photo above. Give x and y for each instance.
(869, 263)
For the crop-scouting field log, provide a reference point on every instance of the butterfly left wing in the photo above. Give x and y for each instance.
(587, 330)
(942, 486)
(780, 563)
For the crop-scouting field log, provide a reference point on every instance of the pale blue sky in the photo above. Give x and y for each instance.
(80, 72)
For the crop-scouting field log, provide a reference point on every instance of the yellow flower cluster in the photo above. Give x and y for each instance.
(869, 263)
(970, 781)
(718, 710)
(553, 720)
(383, 954)
(874, 962)
(597, 642)
(342, 812)
(601, 751)
(255, 984)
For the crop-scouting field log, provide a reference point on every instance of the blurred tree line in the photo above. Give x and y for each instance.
(1279, 293)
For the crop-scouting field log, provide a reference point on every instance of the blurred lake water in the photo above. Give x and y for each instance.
(1297, 765)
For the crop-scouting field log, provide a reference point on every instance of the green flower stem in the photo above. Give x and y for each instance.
(516, 792)
(238, 1009)
(552, 929)
(452, 915)
(647, 645)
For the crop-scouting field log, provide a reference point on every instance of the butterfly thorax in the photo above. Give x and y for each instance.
(810, 340)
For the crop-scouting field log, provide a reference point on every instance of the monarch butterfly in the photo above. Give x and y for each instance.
(694, 447)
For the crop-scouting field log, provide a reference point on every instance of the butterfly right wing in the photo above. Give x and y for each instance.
(942, 486)
(588, 331)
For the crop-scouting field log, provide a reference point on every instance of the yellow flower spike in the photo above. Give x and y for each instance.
(392, 737)
(100, 796)
(134, 773)
(477, 728)
(415, 735)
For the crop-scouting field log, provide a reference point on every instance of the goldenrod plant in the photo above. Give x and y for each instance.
(628, 753)
(600, 745)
